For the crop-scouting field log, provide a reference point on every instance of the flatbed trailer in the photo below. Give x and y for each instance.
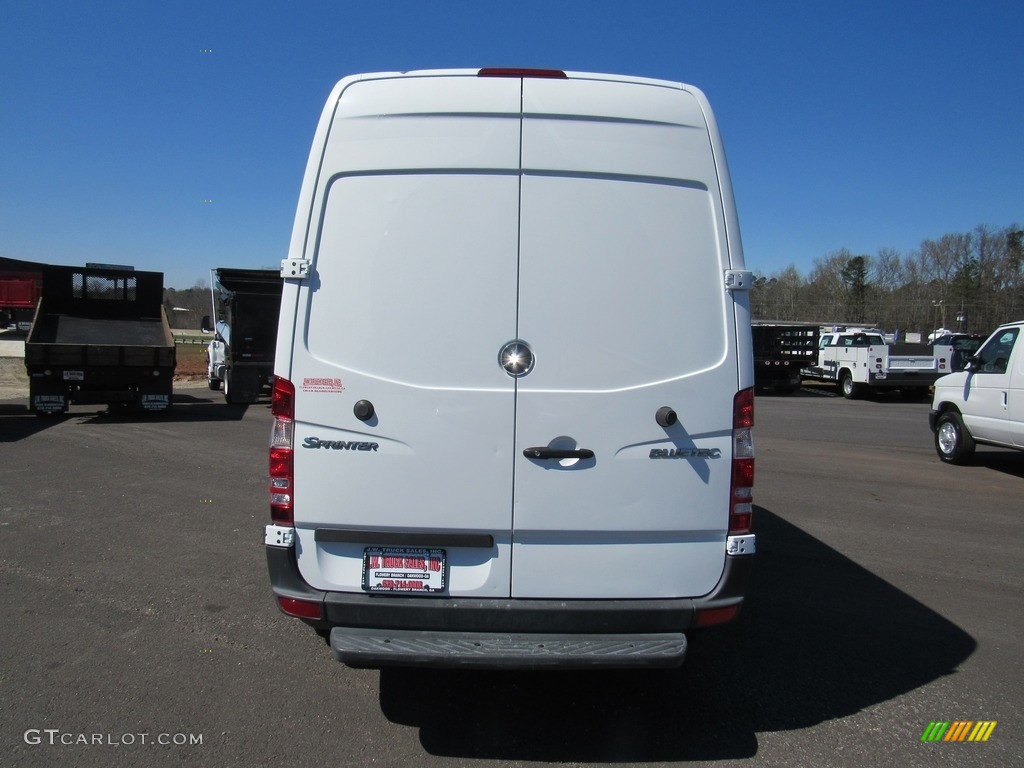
(780, 352)
(100, 336)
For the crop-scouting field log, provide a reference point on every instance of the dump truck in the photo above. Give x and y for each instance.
(100, 336)
(19, 295)
(241, 356)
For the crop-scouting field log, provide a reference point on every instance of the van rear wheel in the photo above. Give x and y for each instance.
(953, 442)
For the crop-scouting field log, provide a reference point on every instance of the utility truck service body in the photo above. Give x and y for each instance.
(859, 360)
(514, 386)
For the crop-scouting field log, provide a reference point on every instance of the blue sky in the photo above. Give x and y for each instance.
(860, 125)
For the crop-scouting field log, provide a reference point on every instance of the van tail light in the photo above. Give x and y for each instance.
(282, 465)
(741, 494)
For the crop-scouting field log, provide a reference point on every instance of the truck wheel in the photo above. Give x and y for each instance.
(851, 390)
(214, 384)
(953, 442)
(228, 396)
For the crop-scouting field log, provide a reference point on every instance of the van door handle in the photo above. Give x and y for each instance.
(557, 453)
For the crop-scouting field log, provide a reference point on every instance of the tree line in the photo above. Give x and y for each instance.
(186, 307)
(967, 282)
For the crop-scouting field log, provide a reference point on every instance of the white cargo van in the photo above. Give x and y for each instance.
(514, 393)
(983, 403)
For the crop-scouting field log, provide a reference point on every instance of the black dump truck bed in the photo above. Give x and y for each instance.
(242, 356)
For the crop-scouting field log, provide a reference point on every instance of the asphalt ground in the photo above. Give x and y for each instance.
(886, 595)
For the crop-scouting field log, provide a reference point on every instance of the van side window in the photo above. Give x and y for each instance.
(995, 355)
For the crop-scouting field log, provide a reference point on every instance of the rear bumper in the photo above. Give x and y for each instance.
(492, 650)
(900, 378)
(378, 630)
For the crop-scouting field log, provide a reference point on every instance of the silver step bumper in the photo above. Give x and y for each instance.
(383, 648)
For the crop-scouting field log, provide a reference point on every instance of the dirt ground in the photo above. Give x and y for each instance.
(13, 379)
(191, 362)
(191, 366)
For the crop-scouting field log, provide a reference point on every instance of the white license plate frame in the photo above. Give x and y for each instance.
(405, 570)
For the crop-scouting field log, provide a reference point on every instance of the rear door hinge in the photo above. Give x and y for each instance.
(294, 269)
(739, 279)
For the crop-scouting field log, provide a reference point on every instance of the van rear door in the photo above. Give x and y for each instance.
(412, 294)
(622, 302)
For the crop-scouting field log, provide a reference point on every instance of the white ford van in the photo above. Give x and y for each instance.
(983, 403)
(514, 378)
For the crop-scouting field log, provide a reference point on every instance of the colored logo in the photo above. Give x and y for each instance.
(959, 730)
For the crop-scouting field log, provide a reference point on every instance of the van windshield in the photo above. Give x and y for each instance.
(995, 355)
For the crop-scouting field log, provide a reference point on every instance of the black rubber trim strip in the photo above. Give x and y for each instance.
(403, 539)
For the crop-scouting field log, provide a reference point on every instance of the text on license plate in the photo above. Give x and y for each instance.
(403, 569)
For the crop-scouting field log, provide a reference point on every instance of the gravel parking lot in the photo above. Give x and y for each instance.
(139, 618)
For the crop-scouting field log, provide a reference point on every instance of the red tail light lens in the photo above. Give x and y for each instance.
(709, 617)
(742, 491)
(282, 401)
(743, 409)
(282, 439)
(302, 609)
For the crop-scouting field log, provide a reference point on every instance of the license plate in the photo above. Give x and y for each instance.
(74, 375)
(48, 403)
(154, 402)
(403, 569)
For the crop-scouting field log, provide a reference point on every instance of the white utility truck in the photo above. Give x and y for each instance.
(983, 403)
(513, 403)
(860, 360)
